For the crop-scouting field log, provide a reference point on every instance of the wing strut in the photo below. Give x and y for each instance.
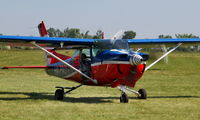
(67, 64)
(179, 44)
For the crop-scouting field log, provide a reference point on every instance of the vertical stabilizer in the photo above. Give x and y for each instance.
(42, 30)
(49, 59)
(102, 35)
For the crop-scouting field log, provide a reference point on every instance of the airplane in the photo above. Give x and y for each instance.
(95, 62)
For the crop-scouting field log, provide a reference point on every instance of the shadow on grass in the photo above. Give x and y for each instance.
(174, 97)
(50, 96)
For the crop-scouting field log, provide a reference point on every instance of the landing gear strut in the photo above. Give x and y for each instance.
(141, 94)
(59, 93)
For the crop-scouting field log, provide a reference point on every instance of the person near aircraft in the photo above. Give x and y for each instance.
(86, 65)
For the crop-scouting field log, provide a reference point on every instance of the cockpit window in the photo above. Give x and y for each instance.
(111, 44)
(102, 45)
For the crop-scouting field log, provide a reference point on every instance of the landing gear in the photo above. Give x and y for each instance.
(123, 98)
(143, 94)
(59, 93)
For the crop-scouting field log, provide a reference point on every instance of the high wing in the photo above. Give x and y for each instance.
(56, 41)
(145, 43)
(159, 41)
(51, 41)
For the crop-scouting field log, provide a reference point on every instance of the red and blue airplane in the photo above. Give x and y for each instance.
(96, 62)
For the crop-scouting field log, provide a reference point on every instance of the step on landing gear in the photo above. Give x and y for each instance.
(59, 93)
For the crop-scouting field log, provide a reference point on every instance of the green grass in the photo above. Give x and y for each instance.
(28, 94)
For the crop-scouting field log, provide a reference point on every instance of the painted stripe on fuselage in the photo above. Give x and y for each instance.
(110, 62)
(116, 62)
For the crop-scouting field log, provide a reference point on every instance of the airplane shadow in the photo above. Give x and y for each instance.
(50, 96)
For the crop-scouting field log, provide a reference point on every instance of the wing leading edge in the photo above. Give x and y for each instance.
(89, 42)
(47, 40)
(159, 41)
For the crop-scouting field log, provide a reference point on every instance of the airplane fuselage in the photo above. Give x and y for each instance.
(109, 67)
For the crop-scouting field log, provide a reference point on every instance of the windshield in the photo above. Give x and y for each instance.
(111, 44)
(102, 45)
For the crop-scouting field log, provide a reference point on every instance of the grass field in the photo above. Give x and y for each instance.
(173, 92)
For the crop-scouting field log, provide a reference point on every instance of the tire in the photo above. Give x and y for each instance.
(123, 98)
(59, 94)
(143, 94)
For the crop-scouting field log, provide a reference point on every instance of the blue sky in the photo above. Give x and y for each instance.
(149, 18)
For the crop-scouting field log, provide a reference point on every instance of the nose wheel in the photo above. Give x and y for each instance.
(141, 94)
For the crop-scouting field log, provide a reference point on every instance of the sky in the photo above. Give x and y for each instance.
(148, 18)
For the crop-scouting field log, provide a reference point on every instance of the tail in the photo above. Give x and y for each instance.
(42, 30)
(49, 59)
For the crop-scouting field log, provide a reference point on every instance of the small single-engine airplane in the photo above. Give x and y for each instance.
(96, 62)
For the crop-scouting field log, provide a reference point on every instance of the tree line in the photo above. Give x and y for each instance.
(76, 33)
(179, 36)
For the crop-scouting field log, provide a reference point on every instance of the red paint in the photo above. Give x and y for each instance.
(102, 35)
(42, 29)
(111, 75)
(54, 60)
(114, 75)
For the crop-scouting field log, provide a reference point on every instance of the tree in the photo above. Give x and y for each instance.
(186, 36)
(98, 35)
(129, 35)
(68, 32)
(164, 36)
(73, 33)
(86, 35)
(54, 32)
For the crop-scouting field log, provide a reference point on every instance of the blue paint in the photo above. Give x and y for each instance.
(178, 40)
(79, 41)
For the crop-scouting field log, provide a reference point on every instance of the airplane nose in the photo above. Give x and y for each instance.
(136, 59)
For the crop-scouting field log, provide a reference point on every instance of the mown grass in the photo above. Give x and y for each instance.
(28, 94)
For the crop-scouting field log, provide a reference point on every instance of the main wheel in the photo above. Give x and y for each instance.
(143, 94)
(123, 98)
(59, 94)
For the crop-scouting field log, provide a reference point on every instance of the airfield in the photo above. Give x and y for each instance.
(28, 94)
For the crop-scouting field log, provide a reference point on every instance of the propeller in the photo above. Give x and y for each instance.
(118, 35)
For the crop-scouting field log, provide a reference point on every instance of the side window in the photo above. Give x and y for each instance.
(96, 52)
(87, 53)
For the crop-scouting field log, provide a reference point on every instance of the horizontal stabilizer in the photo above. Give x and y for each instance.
(41, 67)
